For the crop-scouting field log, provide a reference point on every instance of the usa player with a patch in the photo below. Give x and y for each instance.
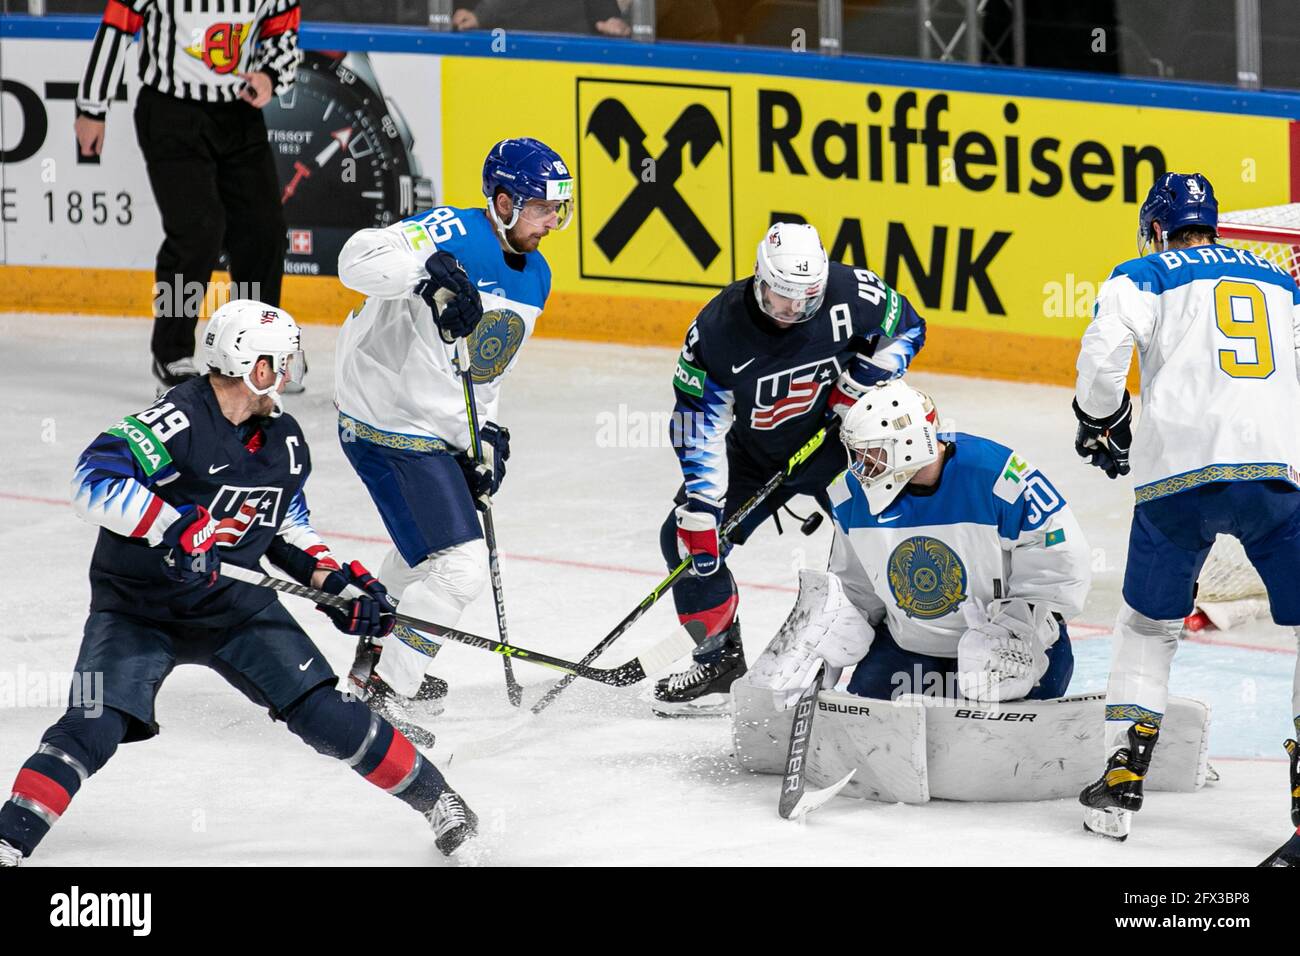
(211, 472)
(962, 559)
(763, 365)
(431, 279)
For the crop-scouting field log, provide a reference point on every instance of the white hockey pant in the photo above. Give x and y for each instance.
(438, 589)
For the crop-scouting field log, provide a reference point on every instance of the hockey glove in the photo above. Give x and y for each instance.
(451, 297)
(845, 393)
(484, 477)
(1003, 653)
(369, 615)
(1105, 442)
(697, 536)
(191, 557)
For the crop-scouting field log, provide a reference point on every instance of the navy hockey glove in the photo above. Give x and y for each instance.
(484, 477)
(371, 614)
(451, 297)
(1105, 442)
(191, 557)
(697, 536)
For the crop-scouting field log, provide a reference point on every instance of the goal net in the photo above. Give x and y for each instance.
(1229, 591)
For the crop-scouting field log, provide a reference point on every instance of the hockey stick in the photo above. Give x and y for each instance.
(466, 372)
(655, 658)
(728, 528)
(796, 802)
(486, 746)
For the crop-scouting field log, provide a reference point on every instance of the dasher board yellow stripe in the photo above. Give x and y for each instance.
(569, 315)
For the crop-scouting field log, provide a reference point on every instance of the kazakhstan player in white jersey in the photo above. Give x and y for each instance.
(954, 566)
(433, 278)
(1217, 450)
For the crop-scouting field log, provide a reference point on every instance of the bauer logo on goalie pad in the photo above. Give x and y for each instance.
(654, 180)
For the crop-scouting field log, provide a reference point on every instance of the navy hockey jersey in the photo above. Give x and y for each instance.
(744, 384)
(183, 451)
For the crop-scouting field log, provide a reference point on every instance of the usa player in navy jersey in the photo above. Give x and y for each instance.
(214, 472)
(436, 277)
(764, 364)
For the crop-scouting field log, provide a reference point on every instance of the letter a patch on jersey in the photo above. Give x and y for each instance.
(785, 395)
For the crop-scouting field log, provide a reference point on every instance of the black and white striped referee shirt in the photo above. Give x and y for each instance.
(193, 49)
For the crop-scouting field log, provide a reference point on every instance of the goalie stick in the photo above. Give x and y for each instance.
(797, 801)
(655, 658)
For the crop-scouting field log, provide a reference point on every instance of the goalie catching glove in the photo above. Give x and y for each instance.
(1003, 653)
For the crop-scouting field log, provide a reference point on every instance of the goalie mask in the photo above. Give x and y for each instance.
(241, 332)
(891, 433)
(790, 273)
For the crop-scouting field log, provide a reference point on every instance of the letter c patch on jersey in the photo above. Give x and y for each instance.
(790, 393)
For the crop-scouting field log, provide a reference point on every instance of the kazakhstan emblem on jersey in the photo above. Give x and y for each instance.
(927, 578)
(494, 343)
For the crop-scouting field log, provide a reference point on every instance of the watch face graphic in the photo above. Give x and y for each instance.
(344, 160)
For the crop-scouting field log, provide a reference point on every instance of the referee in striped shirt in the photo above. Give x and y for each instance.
(206, 67)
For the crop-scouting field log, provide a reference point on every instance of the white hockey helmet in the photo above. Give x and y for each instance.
(891, 433)
(792, 265)
(244, 330)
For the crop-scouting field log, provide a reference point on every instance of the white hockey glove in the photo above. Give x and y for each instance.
(823, 626)
(1003, 653)
(846, 392)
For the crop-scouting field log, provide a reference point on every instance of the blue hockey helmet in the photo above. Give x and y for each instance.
(1177, 200)
(527, 169)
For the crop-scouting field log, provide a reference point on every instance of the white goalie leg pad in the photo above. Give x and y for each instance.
(1003, 653)
(447, 583)
(823, 625)
(883, 740)
(1141, 655)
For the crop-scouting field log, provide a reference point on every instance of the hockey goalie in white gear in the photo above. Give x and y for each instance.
(953, 567)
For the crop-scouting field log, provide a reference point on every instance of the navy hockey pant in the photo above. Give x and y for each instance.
(714, 599)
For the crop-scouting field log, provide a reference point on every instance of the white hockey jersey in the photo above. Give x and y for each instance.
(1218, 334)
(395, 380)
(993, 527)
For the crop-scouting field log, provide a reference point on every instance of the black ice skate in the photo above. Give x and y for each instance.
(1293, 751)
(173, 374)
(1111, 802)
(400, 711)
(703, 690)
(453, 822)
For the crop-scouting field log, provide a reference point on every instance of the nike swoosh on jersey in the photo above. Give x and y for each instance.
(735, 369)
(213, 469)
(887, 520)
(484, 283)
(303, 667)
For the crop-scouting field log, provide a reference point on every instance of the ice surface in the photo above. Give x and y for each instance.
(600, 779)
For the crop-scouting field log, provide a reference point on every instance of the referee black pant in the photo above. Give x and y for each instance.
(213, 177)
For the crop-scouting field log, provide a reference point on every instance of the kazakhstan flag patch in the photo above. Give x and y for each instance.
(1054, 537)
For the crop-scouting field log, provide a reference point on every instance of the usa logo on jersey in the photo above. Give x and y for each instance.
(788, 394)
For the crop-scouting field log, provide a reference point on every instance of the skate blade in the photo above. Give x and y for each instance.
(1108, 822)
(710, 705)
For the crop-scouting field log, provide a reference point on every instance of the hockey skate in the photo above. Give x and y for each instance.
(10, 855)
(1288, 854)
(453, 822)
(1111, 802)
(402, 712)
(173, 373)
(703, 690)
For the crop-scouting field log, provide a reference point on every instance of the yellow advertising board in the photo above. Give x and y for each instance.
(996, 215)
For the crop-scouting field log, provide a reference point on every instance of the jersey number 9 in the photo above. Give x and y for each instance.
(1242, 313)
